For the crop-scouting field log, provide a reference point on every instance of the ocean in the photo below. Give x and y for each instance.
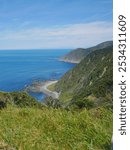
(20, 68)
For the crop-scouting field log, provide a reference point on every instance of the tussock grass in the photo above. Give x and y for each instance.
(56, 129)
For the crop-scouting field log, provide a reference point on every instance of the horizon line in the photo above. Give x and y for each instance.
(38, 49)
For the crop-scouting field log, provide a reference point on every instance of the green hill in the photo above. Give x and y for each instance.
(90, 82)
(77, 55)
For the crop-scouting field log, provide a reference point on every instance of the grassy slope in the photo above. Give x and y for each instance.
(52, 87)
(55, 129)
(91, 77)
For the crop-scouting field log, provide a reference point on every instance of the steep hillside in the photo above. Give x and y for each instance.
(77, 55)
(90, 82)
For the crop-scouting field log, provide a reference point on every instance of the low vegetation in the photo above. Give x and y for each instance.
(48, 128)
(52, 87)
(20, 99)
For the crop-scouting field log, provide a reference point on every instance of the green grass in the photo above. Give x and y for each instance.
(65, 97)
(52, 87)
(55, 129)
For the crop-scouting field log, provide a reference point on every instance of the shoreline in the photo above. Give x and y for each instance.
(42, 87)
(46, 91)
(69, 61)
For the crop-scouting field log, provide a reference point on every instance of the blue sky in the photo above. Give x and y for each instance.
(27, 24)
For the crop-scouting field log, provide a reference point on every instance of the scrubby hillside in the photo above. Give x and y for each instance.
(77, 55)
(20, 99)
(90, 82)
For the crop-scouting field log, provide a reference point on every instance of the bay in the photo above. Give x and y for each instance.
(20, 68)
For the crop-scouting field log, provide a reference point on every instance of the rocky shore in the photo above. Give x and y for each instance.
(42, 87)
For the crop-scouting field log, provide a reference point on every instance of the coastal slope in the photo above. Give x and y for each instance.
(90, 82)
(78, 54)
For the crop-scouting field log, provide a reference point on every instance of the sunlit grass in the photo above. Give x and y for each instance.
(56, 129)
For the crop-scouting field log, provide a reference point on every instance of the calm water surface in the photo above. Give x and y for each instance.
(19, 68)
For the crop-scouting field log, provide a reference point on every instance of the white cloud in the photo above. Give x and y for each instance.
(68, 36)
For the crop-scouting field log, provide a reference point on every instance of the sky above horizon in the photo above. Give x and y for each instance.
(31, 24)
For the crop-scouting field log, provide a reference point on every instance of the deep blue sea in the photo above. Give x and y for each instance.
(19, 68)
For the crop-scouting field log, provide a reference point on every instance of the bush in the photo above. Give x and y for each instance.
(54, 103)
(87, 103)
(2, 105)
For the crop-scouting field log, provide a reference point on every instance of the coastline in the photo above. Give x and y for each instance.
(70, 61)
(42, 87)
(46, 91)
